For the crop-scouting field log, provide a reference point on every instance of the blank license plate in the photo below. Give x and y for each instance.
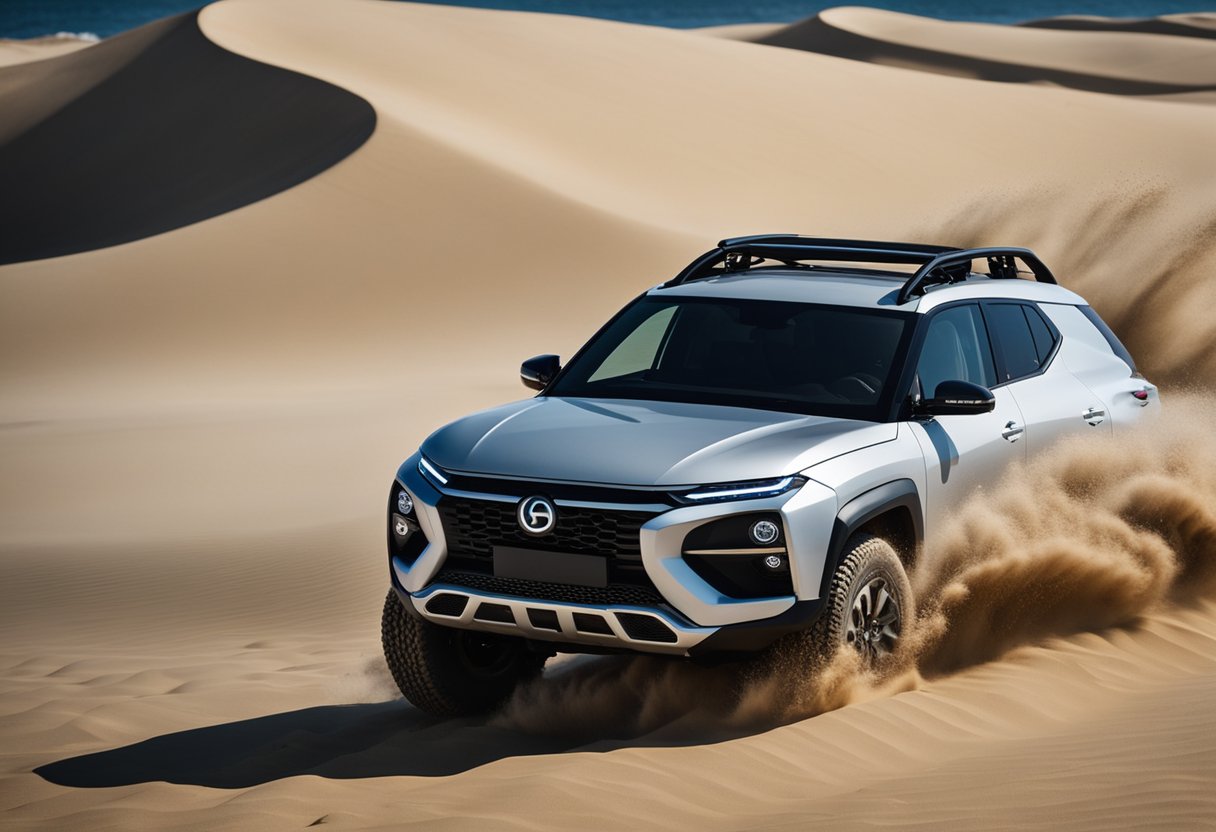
(551, 567)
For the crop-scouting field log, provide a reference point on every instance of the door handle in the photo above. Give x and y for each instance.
(1012, 432)
(1094, 416)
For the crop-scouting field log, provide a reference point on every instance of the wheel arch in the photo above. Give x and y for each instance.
(891, 511)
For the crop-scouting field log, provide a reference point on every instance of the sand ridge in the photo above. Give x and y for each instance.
(193, 131)
(1119, 62)
(1196, 25)
(38, 49)
(198, 428)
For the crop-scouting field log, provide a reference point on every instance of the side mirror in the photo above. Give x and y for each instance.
(537, 372)
(957, 398)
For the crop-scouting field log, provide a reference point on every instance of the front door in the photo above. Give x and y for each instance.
(963, 452)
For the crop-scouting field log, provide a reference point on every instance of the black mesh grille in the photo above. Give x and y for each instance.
(474, 527)
(560, 593)
(447, 604)
(645, 627)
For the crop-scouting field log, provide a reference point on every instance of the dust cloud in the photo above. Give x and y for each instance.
(1092, 534)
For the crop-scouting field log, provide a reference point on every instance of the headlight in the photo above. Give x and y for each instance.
(750, 490)
(431, 471)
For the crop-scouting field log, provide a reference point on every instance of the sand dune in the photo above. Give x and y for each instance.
(202, 406)
(191, 131)
(1116, 61)
(1199, 25)
(37, 49)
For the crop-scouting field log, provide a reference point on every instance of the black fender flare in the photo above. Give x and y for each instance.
(862, 509)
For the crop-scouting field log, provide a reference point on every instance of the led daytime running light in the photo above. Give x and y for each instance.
(431, 471)
(769, 489)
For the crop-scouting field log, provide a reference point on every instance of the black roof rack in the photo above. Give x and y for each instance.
(937, 264)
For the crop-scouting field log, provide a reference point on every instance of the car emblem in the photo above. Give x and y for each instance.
(537, 516)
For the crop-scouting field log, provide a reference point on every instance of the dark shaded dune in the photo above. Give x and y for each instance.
(154, 130)
(1202, 28)
(817, 35)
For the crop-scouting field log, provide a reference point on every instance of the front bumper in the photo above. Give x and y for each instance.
(647, 629)
(693, 616)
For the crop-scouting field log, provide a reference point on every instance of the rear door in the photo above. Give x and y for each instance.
(962, 452)
(1053, 402)
(1096, 357)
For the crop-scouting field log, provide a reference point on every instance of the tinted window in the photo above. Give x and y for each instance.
(1044, 338)
(639, 350)
(1116, 345)
(1008, 325)
(801, 357)
(955, 348)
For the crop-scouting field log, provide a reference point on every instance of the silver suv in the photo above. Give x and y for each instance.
(751, 451)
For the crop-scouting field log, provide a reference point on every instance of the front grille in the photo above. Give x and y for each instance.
(614, 594)
(474, 527)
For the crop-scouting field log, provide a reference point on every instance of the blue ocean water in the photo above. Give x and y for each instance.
(31, 18)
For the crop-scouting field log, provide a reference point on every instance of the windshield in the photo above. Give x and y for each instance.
(772, 355)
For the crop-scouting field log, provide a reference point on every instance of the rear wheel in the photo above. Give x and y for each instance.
(869, 605)
(449, 672)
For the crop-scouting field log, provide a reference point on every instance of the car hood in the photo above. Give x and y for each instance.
(643, 443)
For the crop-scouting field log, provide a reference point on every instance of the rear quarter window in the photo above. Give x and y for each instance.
(1112, 340)
(1041, 331)
(1015, 342)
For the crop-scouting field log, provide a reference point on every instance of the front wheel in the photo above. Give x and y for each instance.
(448, 672)
(869, 606)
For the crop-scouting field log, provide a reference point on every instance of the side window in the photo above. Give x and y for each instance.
(1013, 335)
(639, 351)
(955, 348)
(1044, 338)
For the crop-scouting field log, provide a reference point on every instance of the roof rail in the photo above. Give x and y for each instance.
(937, 264)
(737, 253)
(954, 266)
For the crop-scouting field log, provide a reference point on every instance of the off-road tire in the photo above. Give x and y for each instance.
(430, 666)
(865, 559)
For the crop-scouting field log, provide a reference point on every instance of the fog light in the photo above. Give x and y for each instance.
(764, 532)
(405, 503)
(402, 527)
(774, 562)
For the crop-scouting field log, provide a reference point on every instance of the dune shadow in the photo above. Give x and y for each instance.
(817, 35)
(1138, 26)
(334, 741)
(156, 129)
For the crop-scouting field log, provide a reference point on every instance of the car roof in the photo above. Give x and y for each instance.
(861, 288)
